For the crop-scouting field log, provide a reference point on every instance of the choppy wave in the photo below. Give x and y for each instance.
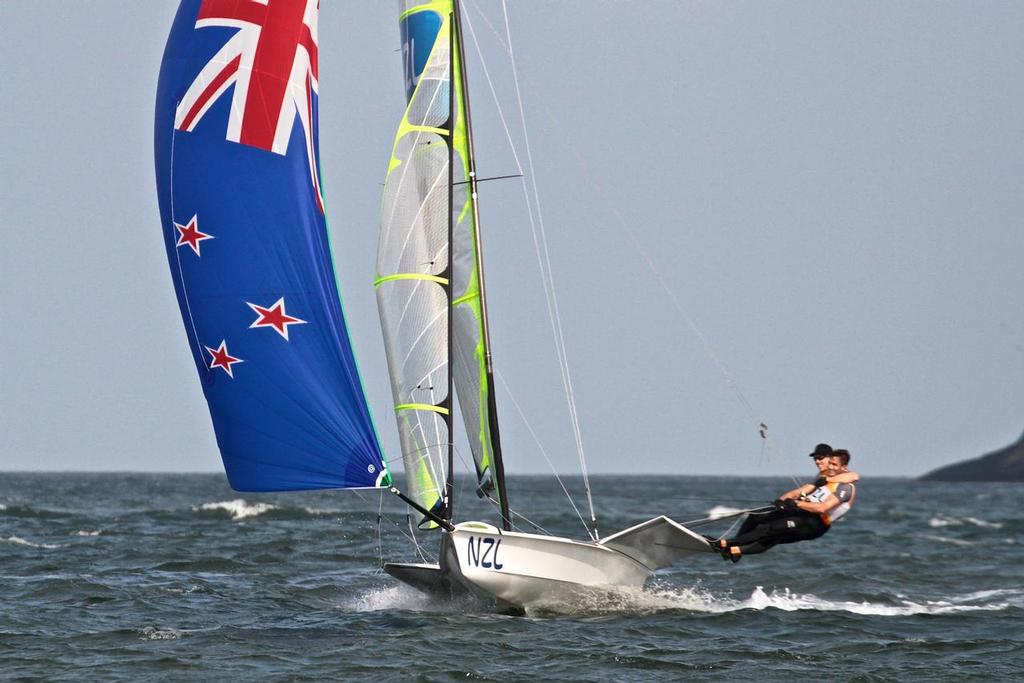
(28, 512)
(17, 540)
(240, 508)
(942, 520)
(165, 574)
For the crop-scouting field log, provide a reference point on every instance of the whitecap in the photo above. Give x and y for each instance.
(641, 600)
(392, 597)
(238, 508)
(321, 511)
(82, 532)
(947, 539)
(17, 540)
(152, 633)
(791, 602)
(721, 511)
(1013, 594)
(697, 599)
(983, 523)
(941, 520)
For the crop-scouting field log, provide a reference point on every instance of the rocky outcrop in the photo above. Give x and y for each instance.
(1006, 464)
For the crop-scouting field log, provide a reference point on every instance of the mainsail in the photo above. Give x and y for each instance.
(237, 165)
(428, 261)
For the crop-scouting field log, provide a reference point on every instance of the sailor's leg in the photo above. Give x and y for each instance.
(801, 528)
(756, 548)
(755, 518)
(736, 552)
(752, 534)
(787, 529)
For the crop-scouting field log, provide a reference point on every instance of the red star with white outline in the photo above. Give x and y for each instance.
(274, 317)
(191, 235)
(222, 359)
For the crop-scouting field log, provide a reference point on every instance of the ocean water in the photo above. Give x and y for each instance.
(176, 577)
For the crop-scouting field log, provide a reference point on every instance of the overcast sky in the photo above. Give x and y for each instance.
(833, 193)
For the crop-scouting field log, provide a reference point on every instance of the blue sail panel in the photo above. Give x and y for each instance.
(237, 168)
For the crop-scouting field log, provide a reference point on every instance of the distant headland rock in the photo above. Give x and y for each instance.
(1006, 464)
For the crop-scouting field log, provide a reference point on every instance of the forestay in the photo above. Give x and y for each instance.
(237, 166)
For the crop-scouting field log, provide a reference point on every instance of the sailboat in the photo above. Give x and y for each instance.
(245, 231)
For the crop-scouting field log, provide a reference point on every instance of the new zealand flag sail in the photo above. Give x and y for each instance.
(237, 168)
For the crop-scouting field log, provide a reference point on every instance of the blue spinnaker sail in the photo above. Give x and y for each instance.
(237, 167)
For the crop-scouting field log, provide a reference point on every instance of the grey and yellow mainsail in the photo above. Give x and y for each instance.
(429, 272)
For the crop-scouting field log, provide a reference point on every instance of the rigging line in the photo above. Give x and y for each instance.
(380, 518)
(544, 259)
(712, 353)
(732, 527)
(497, 103)
(487, 21)
(415, 541)
(484, 180)
(709, 350)
(409, 537)
(526, 519)
(707, 520)
(718, 500)
(471, 468)
(543, 452)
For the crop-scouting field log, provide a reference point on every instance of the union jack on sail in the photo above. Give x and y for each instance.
(272, 62)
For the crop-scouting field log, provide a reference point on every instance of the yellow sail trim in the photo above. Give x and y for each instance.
(421, 407)
(442, 7)
(410, 276)
(404, 128)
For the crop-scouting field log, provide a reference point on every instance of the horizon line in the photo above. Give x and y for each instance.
(631, 475)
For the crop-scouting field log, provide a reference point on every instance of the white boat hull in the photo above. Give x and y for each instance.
(530, 570)
(520, 570)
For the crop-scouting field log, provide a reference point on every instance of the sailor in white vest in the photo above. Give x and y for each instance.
(805, 513)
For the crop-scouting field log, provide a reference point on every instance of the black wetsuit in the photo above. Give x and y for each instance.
(761, 531)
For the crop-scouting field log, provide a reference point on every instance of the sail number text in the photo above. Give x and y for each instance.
(483, 552)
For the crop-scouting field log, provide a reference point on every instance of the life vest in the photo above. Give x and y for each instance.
(844, 492)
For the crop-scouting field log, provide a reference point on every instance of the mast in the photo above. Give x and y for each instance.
(492, 411)
(449, 484)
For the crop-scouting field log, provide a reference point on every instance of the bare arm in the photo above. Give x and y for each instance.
(845, 478)
(818, 508)
(801, 490)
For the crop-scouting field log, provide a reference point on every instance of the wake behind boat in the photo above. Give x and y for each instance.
(237, 161)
